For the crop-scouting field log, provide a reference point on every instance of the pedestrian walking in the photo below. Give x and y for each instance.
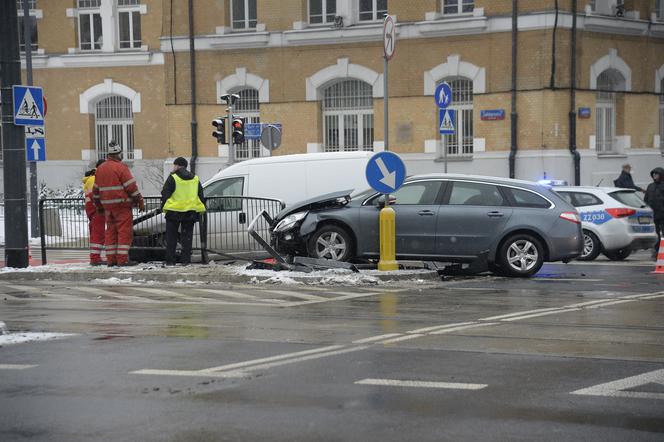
(96, 218)
(625, 180)
(655, 199)
(182, 201)
(115, 192)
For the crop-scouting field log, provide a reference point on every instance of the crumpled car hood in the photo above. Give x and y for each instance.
(319, 202)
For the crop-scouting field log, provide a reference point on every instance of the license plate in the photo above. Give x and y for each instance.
(645, 220)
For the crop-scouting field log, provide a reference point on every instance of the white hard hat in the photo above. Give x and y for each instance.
(114, 148)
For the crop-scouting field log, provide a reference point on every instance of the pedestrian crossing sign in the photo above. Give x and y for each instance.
(446, 121)
(28, 106)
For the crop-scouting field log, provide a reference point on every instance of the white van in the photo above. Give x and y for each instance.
(292, 178)
(286, 179)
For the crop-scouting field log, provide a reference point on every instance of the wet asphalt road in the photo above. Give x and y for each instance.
(468, 359)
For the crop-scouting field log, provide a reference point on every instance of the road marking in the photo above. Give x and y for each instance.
(617, 388)
(42, 292)
(240, 369)
(421, 384)
(161, 292)
(567, 279)
(238, 295)
(344, 297)
(305, 296)
(102, 292)
(192, 373)
(16, 366)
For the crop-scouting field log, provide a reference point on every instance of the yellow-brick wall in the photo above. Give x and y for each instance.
(57, 32)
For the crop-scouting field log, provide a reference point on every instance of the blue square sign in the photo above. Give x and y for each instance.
(35, 149)
(28, 106)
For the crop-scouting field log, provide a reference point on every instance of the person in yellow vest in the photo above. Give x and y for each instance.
(182, 201)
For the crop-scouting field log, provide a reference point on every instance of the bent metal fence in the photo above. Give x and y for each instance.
(222, 230)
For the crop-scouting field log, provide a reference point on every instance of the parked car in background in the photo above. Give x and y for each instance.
(615, 221)
(517, 225)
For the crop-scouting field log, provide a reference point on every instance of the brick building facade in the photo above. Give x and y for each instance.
(123, 69)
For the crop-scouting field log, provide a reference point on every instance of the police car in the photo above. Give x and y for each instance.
(615, 221)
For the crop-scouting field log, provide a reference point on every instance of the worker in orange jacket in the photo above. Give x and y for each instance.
(115, 192)
(96, 220)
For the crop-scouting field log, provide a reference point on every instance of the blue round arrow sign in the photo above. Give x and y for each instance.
(443, 95)
(385, 172)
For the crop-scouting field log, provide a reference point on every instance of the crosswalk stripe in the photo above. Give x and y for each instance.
(102, 292)
(162, 292)
(238, 295)
(305, 296)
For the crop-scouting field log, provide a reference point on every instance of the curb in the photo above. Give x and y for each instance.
(218, 274)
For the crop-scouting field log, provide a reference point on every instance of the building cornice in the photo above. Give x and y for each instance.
(96, 60)
(450, 26)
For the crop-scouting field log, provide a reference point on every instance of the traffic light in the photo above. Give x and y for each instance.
(238, 130)
(220, 133)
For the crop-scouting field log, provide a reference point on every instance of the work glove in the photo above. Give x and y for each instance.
(141, 205)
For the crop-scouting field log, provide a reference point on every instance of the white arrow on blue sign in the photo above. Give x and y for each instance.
(385, 172)
(28, 106)
(446, 120)
(443, 95)
(35, 149)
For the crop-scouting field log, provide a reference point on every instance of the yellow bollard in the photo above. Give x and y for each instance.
(388, 239)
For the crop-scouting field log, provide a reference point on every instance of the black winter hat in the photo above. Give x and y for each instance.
(179, 161)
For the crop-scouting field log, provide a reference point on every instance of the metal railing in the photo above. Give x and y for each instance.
(222, 230)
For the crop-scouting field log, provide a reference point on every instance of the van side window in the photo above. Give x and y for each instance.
(229, 187)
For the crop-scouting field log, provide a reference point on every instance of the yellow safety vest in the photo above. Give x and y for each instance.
(185, 197)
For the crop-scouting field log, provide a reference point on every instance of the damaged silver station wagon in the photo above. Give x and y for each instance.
(515, 225)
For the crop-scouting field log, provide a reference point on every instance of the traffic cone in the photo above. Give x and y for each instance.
(659, 266)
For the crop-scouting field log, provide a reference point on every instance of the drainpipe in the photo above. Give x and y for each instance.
(192, 79)
(572, 113)
(514, 115)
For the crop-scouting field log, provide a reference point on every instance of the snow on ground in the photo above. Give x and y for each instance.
(7, 338)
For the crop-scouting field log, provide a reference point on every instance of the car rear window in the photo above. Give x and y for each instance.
(628, 198)
(524, 198)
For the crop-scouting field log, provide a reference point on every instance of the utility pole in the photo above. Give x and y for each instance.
(13, 142)
(34, 191)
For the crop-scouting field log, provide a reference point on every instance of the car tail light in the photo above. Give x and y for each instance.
(621, 213)
(571, 216)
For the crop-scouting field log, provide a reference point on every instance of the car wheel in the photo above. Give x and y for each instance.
(618, 255)
(521, 255)
(591, 246)
(331, 242)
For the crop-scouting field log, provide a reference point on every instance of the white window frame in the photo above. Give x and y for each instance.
(91, 12)
(115, 127)
(374, 12)
(131, 7)
(463, 123)
(324, 13)
(459, 7)
(365, 123)
(605, 113)
(246, 20)
(250, 148)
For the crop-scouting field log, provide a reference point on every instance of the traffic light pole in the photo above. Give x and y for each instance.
(13, 142)
(34, 193)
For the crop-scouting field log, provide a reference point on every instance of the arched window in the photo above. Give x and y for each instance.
(114, 120)
(461, 142)
(248, 107)
(348, 116)
(608, 82)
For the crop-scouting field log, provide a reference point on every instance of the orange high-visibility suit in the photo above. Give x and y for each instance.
(115, 191)
(96, 222)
